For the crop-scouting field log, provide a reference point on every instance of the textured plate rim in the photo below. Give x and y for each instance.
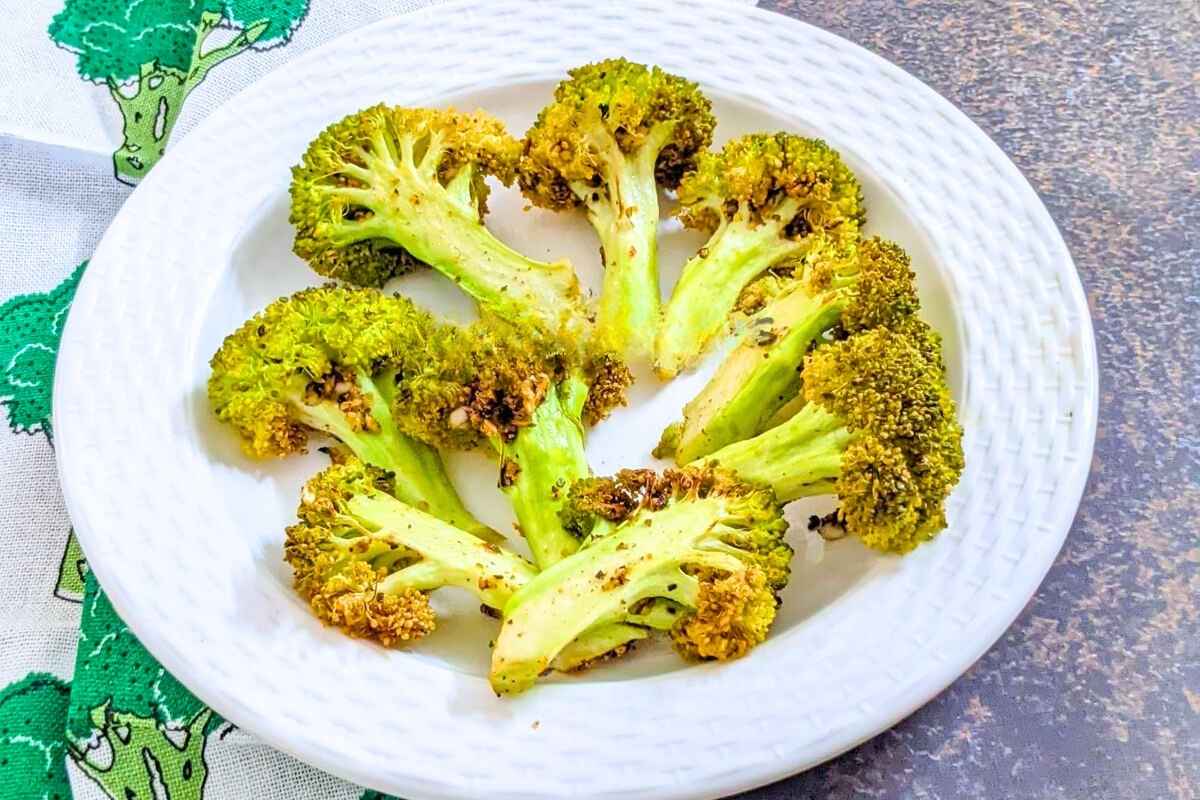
(73, 442)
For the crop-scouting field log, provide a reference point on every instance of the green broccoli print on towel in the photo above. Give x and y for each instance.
(32, 750)
(151, 55)
(131, 726)
(31, 326)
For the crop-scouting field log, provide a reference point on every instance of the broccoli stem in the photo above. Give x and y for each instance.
(449, 555)
(799, 458)
(710, 284)
(440, 227)
(758, 377)
(599, 584)
(421, 479)
(627, 224)
(597, 643)
(548, 456)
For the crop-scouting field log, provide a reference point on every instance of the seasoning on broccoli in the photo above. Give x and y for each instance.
(527, 397)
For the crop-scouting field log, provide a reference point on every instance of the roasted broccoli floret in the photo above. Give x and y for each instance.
(389, 187)
(365, 561)
(615, 132)
(878, 428)
(835, 293)
(696, 551)
(326, 359)
(525, 396)
(764, 198)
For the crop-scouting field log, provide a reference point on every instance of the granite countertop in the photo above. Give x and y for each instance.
(1095, 691)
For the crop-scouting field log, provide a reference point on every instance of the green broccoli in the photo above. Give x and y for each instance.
(615, 132)
(878, 428)
(765, 198)
(387, 188)
(846, 290)
(523, 395)
(326, 359)
(695, 551)
(365, 561)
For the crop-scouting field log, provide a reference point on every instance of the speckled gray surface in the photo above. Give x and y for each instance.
(1095, 690)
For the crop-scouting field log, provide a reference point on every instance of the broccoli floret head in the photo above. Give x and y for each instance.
(733, 613)
(926, 340)
(907, 454)
(368, 263)
(608, 379)
(610, 108)
(303, 356)
(800, 183)
(884, 291)
(476, 384)
(341, 568)
(484, 382)
(339, 188)
(696, 551)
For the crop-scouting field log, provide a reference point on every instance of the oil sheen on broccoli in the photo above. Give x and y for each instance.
(366, 562)
(326, 359)
(763, 198)
(388, 188)
(696, 552)
(614, 134)
(877, 427)
(833, 292)
(525, 396)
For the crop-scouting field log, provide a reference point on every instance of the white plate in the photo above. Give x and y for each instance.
(185, 534)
